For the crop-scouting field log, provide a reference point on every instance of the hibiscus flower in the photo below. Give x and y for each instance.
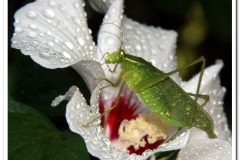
(55, 35)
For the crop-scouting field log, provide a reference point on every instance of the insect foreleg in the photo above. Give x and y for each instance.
(205, 97)
(114, 69)
(114, 84)
(109, 109)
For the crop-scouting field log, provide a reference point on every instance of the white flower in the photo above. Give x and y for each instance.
(55, 35)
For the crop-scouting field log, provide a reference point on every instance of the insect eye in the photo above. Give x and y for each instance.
(121, 54)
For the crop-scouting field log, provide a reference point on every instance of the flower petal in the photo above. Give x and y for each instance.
(90, 71)
(110, 36)
(78, 112)
(211, 86)
(101, 5)
(53, 33)
(201, 147)
(153, 44)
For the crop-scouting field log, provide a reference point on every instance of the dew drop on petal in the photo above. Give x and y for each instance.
(17, 21)
(90, 31)
(109, 40)
(77, 106)
(61, 24)
(44, 55)
(52, 3)
(32, 34)
(41, 34)
(67, 55)
(18, 30)
(69, 45)
(76, 20)
(49, 33)
(32, 26)
(113, 10)
(31, 14)
(62, 8)
(107, 16)
(83, 3)
(56, 40)
(76, 5)
(80, 41)
(50, 44)
(138, 47)
(48, 13)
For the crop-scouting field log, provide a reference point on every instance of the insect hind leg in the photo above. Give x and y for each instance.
(205, 97)
(197, 95)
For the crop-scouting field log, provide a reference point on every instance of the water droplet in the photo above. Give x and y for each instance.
(83, 3)
(31, 14)
(32, 26)
(188, 107)
(41, 34)
(80, 41)
(90, 31)
(107, 16)
(56, 40)
(49, 33)
(52, 3)
(32, 34)
(18, 30)
(62, 8)
(76, 20)
(77, 106)
(50, 44)
(44, 55)
(173, 103)
(61, 24)
(113, 10)
(67, 55)
(76, 5)
(69, 45)
(17, 21)
(109, 40)
(48, 13)
(138, 47)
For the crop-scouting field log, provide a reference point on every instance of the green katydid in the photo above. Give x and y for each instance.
(160, 93)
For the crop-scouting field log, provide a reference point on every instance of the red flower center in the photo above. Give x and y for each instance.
(127, 109)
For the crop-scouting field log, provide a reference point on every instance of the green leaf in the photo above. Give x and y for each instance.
(169, 155)
(37, 86)
(31, 136)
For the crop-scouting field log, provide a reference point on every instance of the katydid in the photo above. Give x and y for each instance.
(157, 91)
(160, 93)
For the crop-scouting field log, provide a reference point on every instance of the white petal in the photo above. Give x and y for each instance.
(211, 86)
(201, 147)
(53, 32)
(210, 73)
(98, 145)
(101, 5)
(153, 44)
(110, 36)
(90, 71)
(68, 95)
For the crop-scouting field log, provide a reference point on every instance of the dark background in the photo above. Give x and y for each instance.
(204, 28)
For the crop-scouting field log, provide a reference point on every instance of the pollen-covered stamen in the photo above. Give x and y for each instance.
(145, 132)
